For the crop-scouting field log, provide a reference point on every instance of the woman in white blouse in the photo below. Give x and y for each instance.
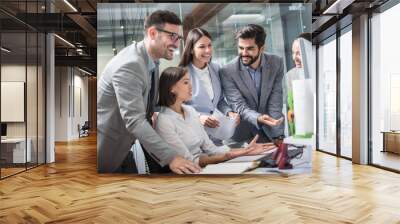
(179, 125)
(204, 74)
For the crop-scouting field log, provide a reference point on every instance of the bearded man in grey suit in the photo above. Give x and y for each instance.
(252, 85)
(127, 93)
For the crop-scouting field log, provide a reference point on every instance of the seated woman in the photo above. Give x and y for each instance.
(207, 89)
(179, 124)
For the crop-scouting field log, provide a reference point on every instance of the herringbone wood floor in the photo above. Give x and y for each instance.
(71, 191)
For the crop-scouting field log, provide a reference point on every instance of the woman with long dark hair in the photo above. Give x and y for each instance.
(204, 75)
(179, 126)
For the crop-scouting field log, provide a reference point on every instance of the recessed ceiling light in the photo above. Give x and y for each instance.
(84, 71)
(5, 50)
(337, 7)
(64, 40)
(70, 5)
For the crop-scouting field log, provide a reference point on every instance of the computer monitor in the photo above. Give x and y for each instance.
(3, 129)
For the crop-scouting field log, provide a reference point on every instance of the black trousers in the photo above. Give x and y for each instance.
(128, 165)
(154, 167)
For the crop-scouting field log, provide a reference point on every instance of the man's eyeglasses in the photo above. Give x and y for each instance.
(173, 36)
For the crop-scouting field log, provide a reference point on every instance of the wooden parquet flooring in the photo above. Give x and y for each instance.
(71, 191)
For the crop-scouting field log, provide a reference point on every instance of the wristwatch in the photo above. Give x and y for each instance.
(278, 140)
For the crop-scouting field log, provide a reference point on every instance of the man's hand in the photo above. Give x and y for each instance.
(181, 165)
(235, 116)
(267, 120)
(278, 141)
(209, 121)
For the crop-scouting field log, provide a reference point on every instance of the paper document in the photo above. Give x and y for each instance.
(303, 101)
(226, 127)
(228, 168)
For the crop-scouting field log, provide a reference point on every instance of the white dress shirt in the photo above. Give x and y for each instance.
(205, 79)
(186, 134)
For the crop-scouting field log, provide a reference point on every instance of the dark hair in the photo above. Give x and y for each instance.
(160, 17)
(193, 36)
(253, 31)
(169, 77)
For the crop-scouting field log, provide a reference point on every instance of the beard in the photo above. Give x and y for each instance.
(252, 59)
(162, 49)
(167, 55)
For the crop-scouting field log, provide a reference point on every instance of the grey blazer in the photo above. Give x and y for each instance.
(200, 99)
(122, 97)
(241, 95)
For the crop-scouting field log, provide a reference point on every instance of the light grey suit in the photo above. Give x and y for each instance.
(241, 95)
(201, 101)
(123, 91)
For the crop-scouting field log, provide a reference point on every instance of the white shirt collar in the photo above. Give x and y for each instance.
(200, 70)
(169, 111)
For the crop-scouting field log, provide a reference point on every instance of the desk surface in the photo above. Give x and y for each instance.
(391, 132)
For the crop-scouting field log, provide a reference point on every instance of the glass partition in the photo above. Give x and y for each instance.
(120, 24)
(346, 93)
(22, 88)
(13, 105)
(327, 96)
(385, 89)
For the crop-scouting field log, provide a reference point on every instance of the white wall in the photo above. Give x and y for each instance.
(13, 73)
(70, 83)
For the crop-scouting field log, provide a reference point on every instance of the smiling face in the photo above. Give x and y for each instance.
(165, 41)
(183, 89)
(202, 50)
(249, 52)
(296, 55)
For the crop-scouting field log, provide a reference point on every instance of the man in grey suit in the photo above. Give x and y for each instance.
(127, 93)
(252, 85)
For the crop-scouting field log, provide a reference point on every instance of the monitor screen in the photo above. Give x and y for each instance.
(3, 129)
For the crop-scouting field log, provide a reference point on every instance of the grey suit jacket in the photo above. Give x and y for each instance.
(122, 97)
(241, 94)
(201, 101)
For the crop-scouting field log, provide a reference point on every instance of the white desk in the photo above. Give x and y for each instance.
(16, 147)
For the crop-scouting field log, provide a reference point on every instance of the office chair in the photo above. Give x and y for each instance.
(84, 130)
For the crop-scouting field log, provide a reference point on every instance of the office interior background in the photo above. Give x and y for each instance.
(120, 24)
(49, 73)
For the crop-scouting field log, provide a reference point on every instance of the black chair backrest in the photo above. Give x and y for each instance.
(86, 125)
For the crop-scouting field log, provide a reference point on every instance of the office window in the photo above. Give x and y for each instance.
(385, 88)
(327, 96)
(346, 93)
